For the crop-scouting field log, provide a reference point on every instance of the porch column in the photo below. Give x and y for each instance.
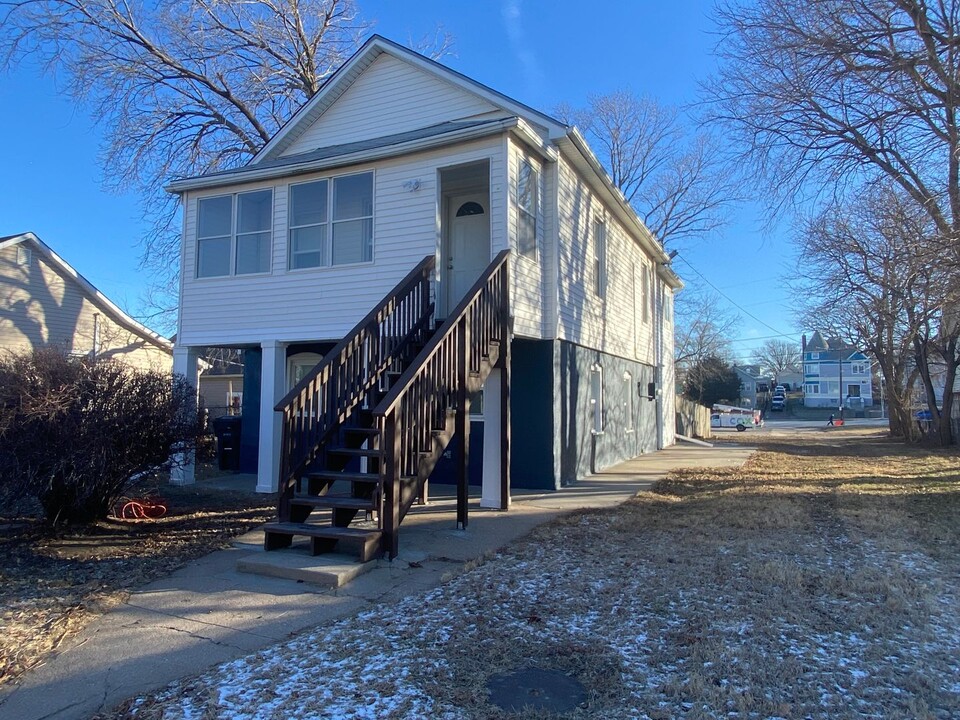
(273, 382)
(186, 362)
(496, 492)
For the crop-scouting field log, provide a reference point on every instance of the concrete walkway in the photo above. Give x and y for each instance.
(208, 612)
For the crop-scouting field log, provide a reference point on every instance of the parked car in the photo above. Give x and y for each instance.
(778, 405)
(779, 389)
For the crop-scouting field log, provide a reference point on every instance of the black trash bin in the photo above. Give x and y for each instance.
(227, 430)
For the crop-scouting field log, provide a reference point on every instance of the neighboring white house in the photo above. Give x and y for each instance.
(827, 364)
(44, 302)
(397, 158)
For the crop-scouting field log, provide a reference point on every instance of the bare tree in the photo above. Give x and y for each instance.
(843, 98)
(184, 87)
(673, 178)
(837, 93)
(872, 274)
(778, 356)
(703, 329)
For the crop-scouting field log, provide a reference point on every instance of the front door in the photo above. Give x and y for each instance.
(468, 245)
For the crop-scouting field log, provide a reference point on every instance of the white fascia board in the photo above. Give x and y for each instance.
(253, 174)
(529, 137)
(98, 298)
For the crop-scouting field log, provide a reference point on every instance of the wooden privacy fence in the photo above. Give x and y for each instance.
(693, 420)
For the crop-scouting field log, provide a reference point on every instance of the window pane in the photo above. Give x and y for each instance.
(253, 253)
(352, 197)
(527, 234)
(254, 212)
(308, 203)
(214, 220)
(307, 246)
(527, 188)
(213, 257)
(352, 242)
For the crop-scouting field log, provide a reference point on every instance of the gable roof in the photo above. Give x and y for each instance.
(95, 296)
(525, 121)
(346, 74)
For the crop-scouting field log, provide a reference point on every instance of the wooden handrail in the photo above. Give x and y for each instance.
(427, 264)
(438, 380)
(323, 399)
(416, 367)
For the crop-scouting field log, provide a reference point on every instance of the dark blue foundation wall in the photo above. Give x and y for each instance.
(532, 421)
(628, 417)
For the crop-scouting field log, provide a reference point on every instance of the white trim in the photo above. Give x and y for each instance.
(95, 295)
(251, 174)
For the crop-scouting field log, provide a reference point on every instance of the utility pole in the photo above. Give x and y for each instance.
(840, 357)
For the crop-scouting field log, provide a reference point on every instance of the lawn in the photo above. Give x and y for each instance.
(820, 580)
(54, 582)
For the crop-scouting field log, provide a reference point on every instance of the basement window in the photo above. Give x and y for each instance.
(596, 399)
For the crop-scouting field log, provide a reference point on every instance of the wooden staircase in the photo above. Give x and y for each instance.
(363, 431)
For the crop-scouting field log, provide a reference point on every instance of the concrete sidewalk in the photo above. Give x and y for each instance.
(208, 612)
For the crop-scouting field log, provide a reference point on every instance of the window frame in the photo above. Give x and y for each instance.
(327, 251)
(596, 399)
(234, 234)
(630, 402)
(600, 242)
(533, 252)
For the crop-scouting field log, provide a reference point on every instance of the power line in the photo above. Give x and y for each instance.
(730, 300)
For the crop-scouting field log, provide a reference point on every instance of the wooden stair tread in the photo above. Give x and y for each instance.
(362, 430)
(356, 452)
(351, 476)
(334, 501)
(323, 531)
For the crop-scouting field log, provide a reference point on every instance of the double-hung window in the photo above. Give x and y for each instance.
(527, 201)
(331, 222)
(599, 258)
(234, 234)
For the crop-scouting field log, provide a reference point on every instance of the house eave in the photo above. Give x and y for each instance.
(252, 173)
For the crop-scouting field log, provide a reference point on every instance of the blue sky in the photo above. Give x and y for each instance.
(541, 52)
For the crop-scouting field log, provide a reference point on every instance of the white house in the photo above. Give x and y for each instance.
(384, 199)
(829, 364)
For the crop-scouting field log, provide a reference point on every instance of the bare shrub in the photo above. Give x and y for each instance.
(75, 432)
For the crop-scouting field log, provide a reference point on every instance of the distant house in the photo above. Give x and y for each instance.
(45, 302)
(221, 389)
(827, 364)
(754, 384)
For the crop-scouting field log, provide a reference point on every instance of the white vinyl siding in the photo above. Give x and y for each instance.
(47, 308)
(608, 323)
(526, 286)
(325, 302)
(391, 96)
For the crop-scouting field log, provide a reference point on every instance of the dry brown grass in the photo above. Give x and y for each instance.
(54, 582)
(820, 580)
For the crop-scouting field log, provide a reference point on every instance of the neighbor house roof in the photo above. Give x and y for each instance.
(96, 297)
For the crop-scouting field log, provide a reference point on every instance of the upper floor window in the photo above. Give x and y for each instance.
(527, 200)
(815, 356)
(645, 277)
(24, 254)
(858, 368)
(811, 369)
(234, 233)
(599, 258)
(331, 222)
